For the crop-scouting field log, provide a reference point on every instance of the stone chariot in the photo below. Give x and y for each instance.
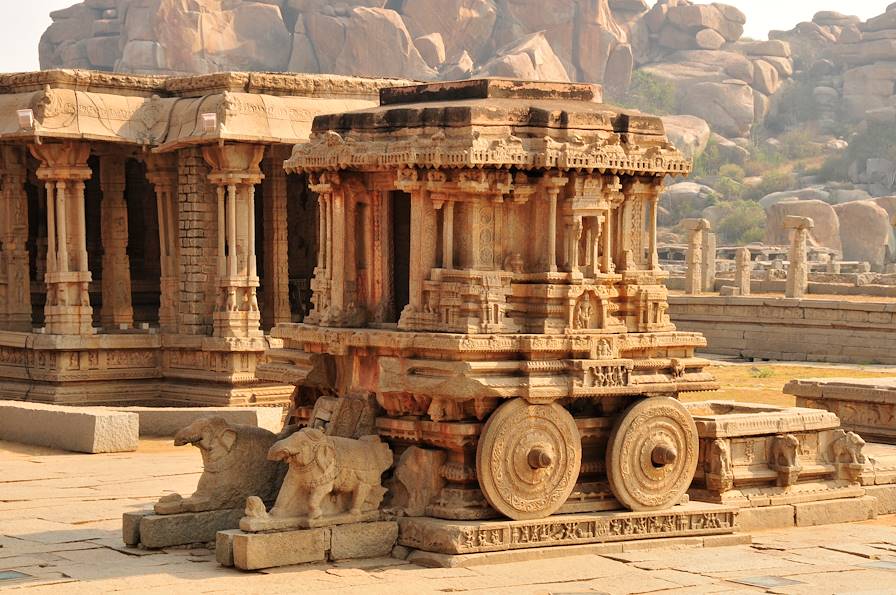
(488, 290)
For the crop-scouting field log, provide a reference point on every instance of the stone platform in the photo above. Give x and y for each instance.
(865, 406)
(467, 537)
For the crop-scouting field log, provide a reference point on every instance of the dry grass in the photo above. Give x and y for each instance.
(764, 382)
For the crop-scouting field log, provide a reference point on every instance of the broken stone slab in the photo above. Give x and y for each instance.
(157, 531)
(167, 421)
(78, 429)
(694, 519)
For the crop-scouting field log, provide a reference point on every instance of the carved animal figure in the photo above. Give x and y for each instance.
(847, 448)
(784, 458)
(235, 466)
(320, 465)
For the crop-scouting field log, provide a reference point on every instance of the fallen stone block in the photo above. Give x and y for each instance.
(167, 530)
(78, 429)
(255, 551)
(130, 526)
(224, 547)
(167, 421)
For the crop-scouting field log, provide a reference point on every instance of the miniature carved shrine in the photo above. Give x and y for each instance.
(488, 283)
(147, 240)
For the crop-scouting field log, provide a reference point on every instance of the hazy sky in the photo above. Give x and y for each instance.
(23, 21)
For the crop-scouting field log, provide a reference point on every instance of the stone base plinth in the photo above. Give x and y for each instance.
(865, 406)
(465, 537)
(255, 551)
(155, 531)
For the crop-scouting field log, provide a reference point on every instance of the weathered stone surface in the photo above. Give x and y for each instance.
(689, 134)
(363, 540)
(432, 48)
(766, 517)
(851, 510)
(864, 405)
(130, 526)
(68, 428)
(727, 106)
(331, 480)
(461, 537)
(529, 59)
(708, 39)
(885, 498)
(167, 530)
(826, 232)
(417, 480)
(224, 547)
(235, 467)
(255, 551)
(345, 44)
(463, 24)
(865, 231)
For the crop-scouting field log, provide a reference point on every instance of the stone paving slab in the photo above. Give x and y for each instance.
(66, 556)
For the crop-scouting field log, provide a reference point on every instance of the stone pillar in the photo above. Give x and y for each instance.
(743, 269)
(161, 171)
(276, 251)
(234, 172)
(15, 312)
(693, 281)
(118, 311)
(708, 272)
(448, 235)
(553, 183)
(63, 171)
(798, 272)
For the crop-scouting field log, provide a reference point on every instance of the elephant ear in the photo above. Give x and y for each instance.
(228, 438)
(326, 456)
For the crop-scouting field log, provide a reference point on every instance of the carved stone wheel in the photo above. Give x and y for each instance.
(652, 454)
(528, 459)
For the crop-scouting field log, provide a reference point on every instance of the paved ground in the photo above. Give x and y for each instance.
(60, 517)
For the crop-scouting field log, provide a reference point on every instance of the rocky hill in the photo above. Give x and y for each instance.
(694, 47)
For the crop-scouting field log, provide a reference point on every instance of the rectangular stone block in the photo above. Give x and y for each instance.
(78, 429)
(224, 547)
(167, 530)
(765, 517)
(130, 526)
(885, 498)
(848, 510)
(167, 421)
(363, 540)
(255, 551)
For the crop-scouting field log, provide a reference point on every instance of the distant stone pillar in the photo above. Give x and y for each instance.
(117, 311)
(743, 269)
(15, 312)
(161, 171)
(276, 253)
(708, 272)
(234, 172)
(798, 273)
(693, 282)
(63, 171)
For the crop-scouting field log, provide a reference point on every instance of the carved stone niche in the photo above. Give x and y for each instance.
(235, 466)
(331, 481)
